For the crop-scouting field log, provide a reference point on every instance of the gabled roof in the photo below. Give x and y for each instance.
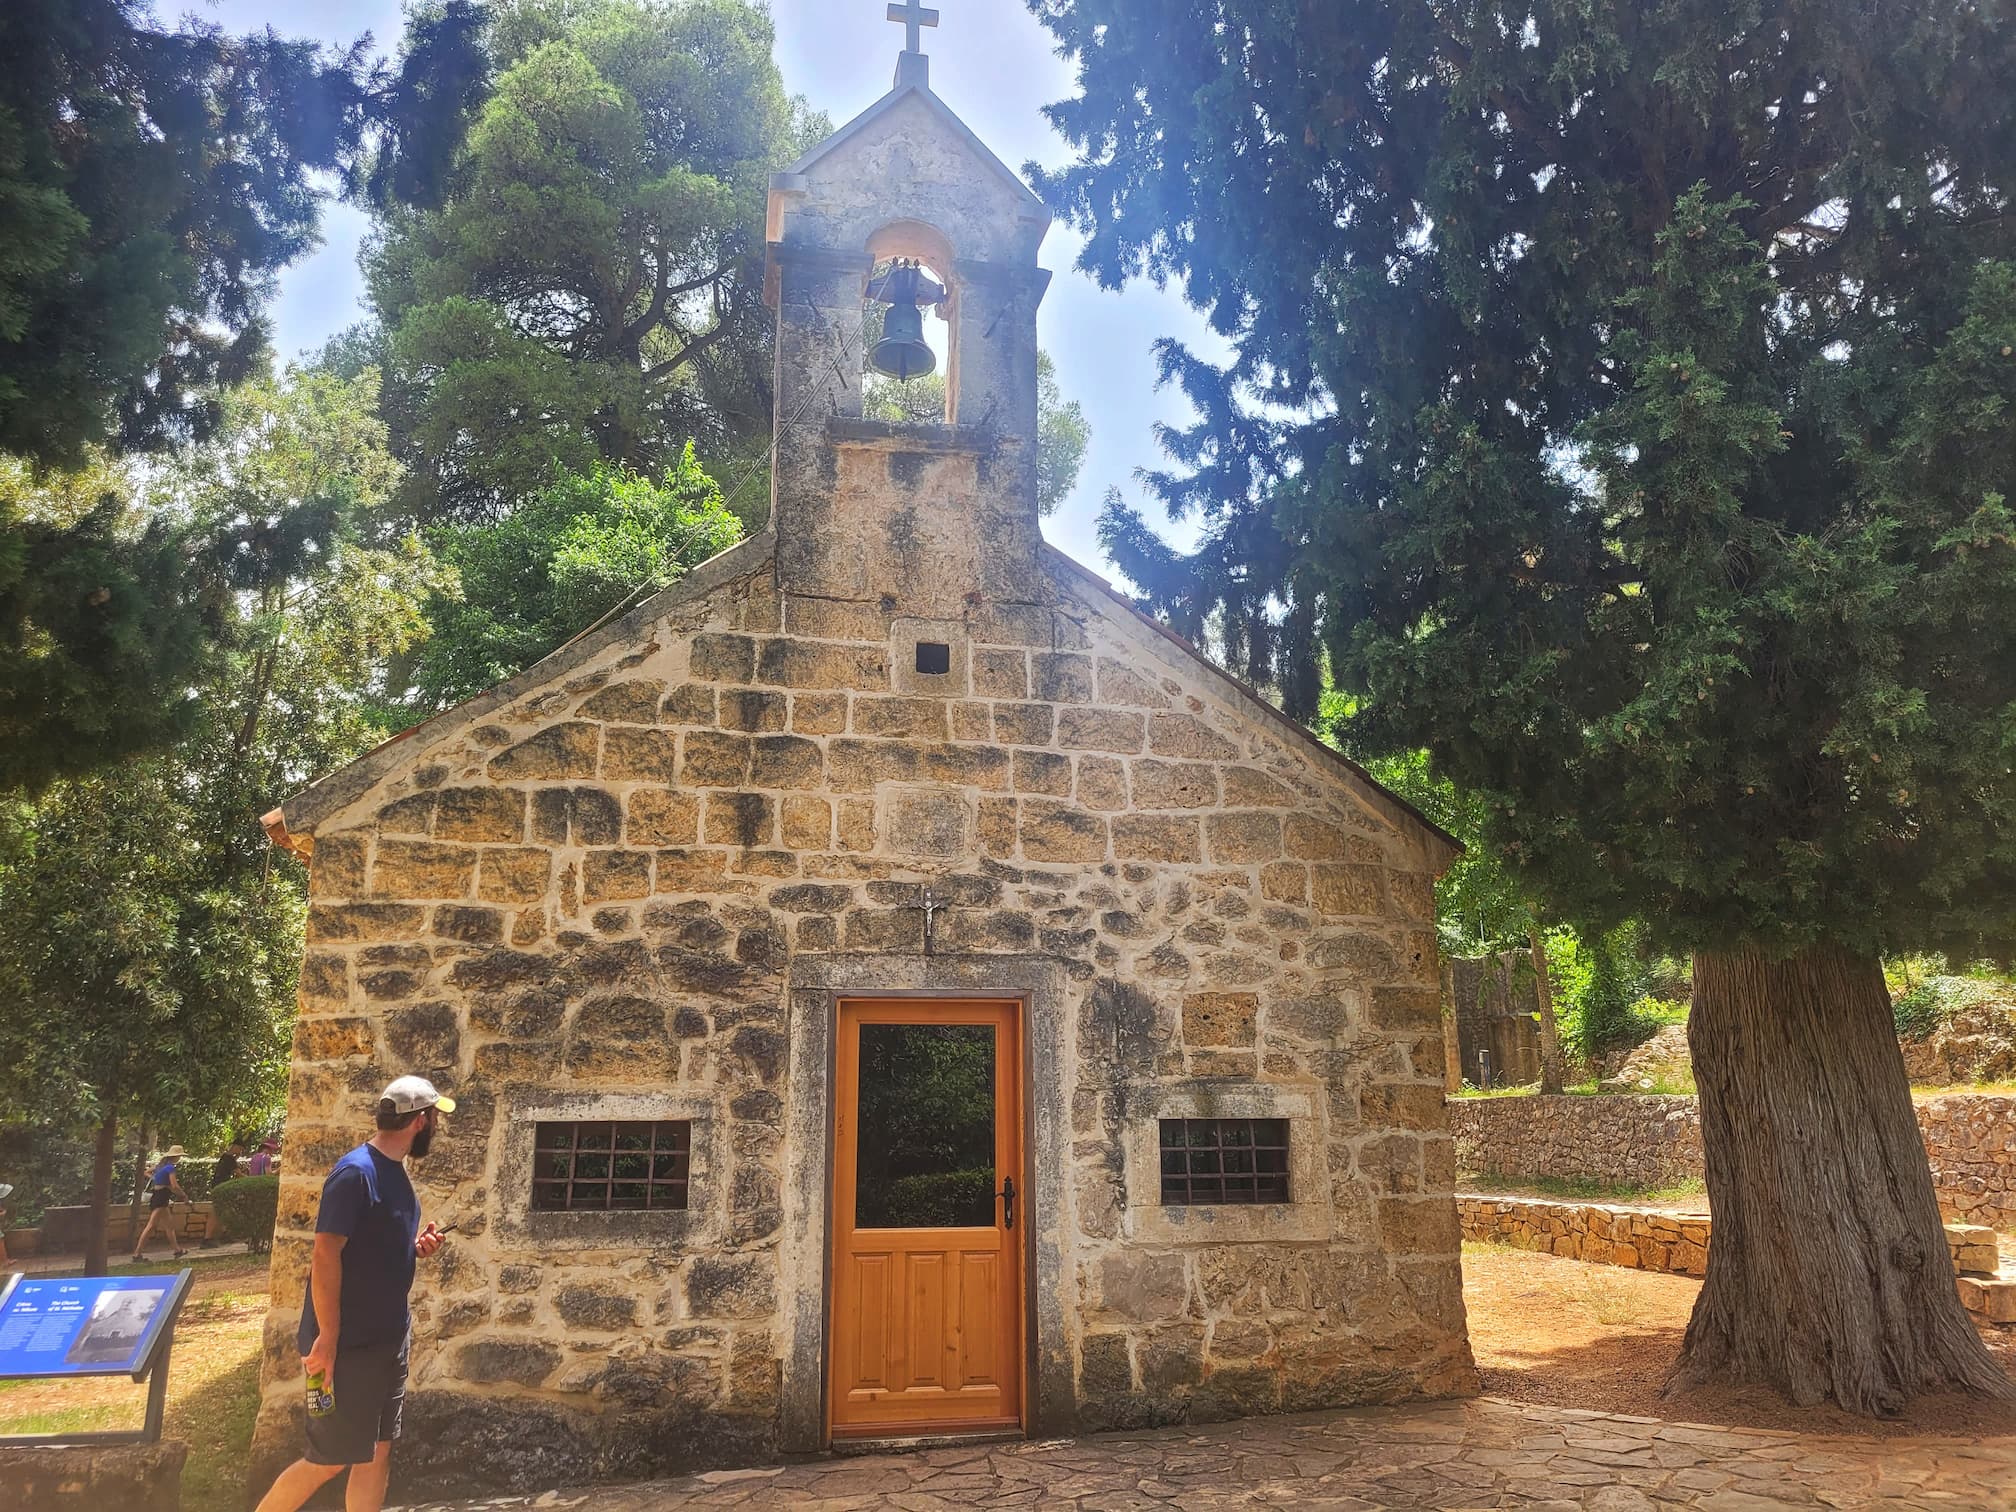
(291, 823)
(299, 815)
(904, 89)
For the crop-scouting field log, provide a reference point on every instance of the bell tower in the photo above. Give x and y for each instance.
(905, 210)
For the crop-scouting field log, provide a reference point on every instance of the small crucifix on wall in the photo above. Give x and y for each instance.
(911, 16)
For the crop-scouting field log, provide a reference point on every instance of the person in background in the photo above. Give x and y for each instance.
(6, 1191)
(356, 1328)
(261, 1163)
(226, 1168)
(162, 1189)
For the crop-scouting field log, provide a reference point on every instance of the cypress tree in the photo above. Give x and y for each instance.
(1628, 386)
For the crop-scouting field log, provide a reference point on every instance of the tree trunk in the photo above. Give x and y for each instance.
(1452, 1045)
(1828, 1277)
(1552, 1070)
(138, 1196)
(95, 1256)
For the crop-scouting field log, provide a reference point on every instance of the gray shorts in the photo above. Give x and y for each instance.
(370, 1391)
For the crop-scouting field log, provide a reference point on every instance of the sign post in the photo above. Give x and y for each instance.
(52, 1328)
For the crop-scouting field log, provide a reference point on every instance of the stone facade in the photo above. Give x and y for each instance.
(1496, 1003)
(1970, 1141)
(634, 881)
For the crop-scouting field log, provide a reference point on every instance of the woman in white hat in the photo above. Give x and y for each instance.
(162, 1189)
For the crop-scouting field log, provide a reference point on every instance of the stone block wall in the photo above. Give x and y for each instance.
(598, 896)
(1639, 1141)
(1677, 1242)
(105, 1478)
(1496, 1001)
(1636, 1238)
(1970, 1141)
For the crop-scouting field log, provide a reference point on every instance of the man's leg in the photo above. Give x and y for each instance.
(296, 1484)
(366, 1491)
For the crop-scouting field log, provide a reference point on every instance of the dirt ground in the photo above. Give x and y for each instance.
(1571, 1334)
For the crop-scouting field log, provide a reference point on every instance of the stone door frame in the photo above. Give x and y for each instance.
(816, 984)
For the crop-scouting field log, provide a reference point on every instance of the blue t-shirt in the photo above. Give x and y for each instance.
(163, 1174)
(368, 1199)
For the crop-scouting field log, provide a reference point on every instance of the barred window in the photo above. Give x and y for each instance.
(614, 1166)
(1224, 1160)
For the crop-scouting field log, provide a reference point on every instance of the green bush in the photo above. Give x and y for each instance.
(1932, 1002)
(248, 1208)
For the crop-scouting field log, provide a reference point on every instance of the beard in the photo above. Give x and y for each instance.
(422, 1142)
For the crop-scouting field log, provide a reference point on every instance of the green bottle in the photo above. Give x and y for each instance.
(321, 1400)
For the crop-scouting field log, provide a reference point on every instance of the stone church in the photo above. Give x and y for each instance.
(891, 986)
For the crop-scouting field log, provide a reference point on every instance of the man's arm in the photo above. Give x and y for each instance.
(325, 1282)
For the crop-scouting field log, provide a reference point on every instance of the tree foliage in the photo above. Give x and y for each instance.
(102, 625)
(577, 550)
(149, 945)
(152, 181)
(1629, 390)
(590, 287)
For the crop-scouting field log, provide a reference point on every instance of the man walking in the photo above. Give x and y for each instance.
(355, 1329)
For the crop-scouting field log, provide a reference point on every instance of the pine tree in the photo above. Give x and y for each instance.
(1629, 388)
(589, 288)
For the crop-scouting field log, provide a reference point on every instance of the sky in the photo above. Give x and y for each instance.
(993, 64)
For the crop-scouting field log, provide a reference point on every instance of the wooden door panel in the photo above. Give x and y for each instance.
(980, 1297)
(927, 1294)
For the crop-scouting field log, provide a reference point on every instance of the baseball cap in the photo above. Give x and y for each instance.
(409, 1093)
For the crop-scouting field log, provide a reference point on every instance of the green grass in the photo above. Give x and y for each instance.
(1470, 1093)
(1583, 1188)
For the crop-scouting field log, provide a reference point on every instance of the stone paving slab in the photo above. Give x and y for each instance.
(1452, 1456)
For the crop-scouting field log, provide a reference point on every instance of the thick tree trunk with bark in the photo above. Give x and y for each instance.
(1828, 1277)
(95, 1249)
(1553, 1070)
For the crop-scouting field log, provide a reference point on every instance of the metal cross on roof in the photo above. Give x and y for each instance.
(912, 16)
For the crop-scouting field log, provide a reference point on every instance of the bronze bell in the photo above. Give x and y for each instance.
(902, 353)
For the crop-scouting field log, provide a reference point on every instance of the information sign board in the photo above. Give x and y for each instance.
(94, 1325)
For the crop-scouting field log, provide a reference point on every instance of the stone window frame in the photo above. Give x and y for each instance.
(696, 1227)
(1307, 1216)
(906, 633)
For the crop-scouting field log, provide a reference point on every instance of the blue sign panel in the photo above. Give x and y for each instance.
(96, 1325)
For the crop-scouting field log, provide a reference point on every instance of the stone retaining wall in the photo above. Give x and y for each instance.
(1677, 1242)
(1635, 1238)
(103, 1478)
(1626, 1140)
(1970, 1140)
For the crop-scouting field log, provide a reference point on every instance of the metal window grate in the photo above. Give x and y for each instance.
(1224, 1160)
(625, 1167)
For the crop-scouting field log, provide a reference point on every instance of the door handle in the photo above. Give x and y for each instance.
(1008, 1202)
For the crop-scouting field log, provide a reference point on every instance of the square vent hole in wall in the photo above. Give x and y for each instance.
(934, 658)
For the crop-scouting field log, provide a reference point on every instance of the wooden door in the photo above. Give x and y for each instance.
(927, 1286)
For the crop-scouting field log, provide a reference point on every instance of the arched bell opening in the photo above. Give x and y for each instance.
(909, 321)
